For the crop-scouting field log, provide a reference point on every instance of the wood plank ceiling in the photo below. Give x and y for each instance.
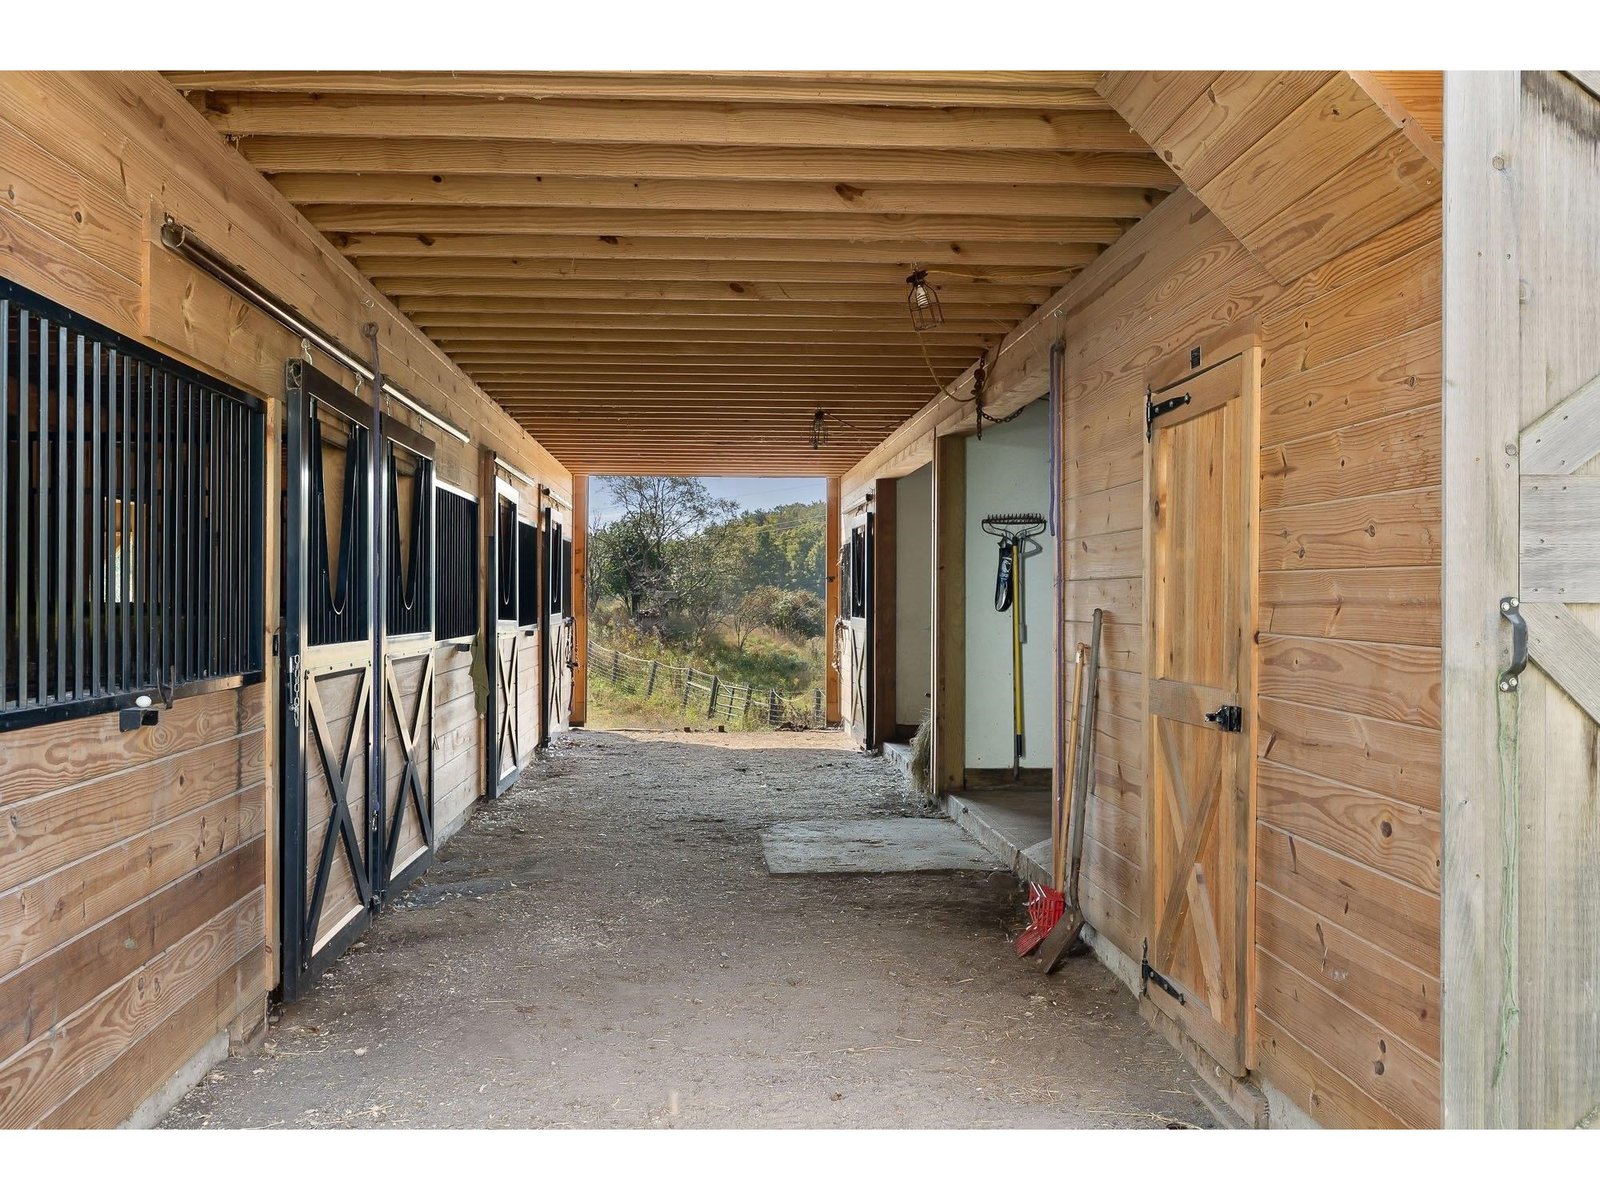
(671, 272)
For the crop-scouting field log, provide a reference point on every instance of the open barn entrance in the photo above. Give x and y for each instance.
(706, 603)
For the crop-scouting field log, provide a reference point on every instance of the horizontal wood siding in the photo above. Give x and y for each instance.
(1348, 717)
(132, 902)
(1321, 223)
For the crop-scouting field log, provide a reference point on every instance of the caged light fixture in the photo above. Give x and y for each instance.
(923, 303)
(819, 429)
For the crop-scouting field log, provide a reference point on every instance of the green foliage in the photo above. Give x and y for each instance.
(685, 579)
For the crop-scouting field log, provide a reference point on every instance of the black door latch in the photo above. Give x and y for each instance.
(1229, 718)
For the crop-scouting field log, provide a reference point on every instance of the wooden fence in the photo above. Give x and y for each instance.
(702, 692)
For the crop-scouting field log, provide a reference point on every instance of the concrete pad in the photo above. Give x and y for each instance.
(879, 846)
(1011, 823)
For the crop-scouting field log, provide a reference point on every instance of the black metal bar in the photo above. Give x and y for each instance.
(24, 508)
(96, 546)
(298, 553)
(130, 369)
(5, 493)
(42, 605)
(377, 592)
(78, 504)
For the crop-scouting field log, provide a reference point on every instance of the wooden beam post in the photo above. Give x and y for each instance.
(580, 600)
(832, 701)
(949, 707)
(884, 615)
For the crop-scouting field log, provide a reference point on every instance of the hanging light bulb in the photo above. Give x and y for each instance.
(819, 429)
(923, 303)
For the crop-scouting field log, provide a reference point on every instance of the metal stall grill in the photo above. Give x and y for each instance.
(456, 575)
(131, 520)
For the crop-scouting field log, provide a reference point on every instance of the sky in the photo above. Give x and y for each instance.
(755, 492)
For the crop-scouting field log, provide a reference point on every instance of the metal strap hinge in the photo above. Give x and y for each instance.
(1152, 410)
(1149, 975)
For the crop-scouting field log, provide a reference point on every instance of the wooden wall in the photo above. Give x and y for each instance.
(1312, 209)
(137, 881)
(132, 903)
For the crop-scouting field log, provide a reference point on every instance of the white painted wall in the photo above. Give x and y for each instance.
(1009, 471)
(913, 595)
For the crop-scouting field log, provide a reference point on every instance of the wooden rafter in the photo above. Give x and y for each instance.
(674, 270)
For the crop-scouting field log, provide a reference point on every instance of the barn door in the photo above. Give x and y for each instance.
(862, 701)
(356, 761)
(506, 748)
(406, 825)
(330, 810)
(1521, 870)
(559, 656)
(1200, 472)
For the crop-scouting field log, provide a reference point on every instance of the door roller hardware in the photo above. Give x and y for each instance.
(1229, 718)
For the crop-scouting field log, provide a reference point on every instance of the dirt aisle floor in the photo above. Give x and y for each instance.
(604, 947)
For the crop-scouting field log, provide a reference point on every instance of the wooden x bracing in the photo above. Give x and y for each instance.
(411, 785)
(506, 672)
(1192, 824)
(338, 770)
(1559, 560)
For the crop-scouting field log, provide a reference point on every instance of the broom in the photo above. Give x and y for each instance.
(1046, 904)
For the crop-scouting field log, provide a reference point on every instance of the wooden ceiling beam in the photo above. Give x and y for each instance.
(478, 309)
(816, 375)
(898, 336)
(667, 351)
(435, 219)
(410, 292)
(510, 156)
(957, 197)
(1016, 89)
(510, 324)
(887, 275)
(927, 253)
(592, 121)
(491, 364)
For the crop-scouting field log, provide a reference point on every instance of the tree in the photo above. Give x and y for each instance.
(668, 552)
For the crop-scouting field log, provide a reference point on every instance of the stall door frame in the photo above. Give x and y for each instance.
(358, 816)
(502, 653)
(1203, 730)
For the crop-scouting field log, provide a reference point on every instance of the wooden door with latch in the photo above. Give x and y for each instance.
(1200, 485)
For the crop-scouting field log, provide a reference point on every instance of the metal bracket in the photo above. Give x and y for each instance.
(1152, 411)
(1510, 609)
(1147, 974)
(1229, 718)
(294, 688)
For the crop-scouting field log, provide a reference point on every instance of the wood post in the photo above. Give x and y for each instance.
(650, 686)
(884, 616)
(834, 707)
(580, 600)
(949, 673)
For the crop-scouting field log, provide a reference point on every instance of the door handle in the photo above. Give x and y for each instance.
(1229, 718)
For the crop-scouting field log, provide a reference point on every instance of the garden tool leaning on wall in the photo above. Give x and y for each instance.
(1013, 530)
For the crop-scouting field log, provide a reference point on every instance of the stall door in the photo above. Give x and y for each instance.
(355, 788)
(859, 672)
(1200, 480)
(506, 748)
(1521, 946)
